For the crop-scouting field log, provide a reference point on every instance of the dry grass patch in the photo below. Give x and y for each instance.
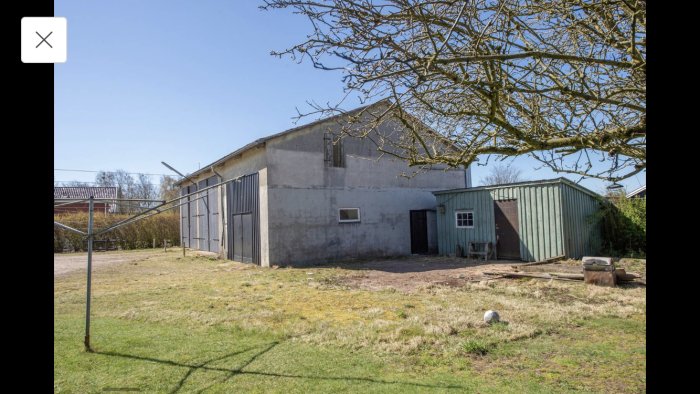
(436, 328)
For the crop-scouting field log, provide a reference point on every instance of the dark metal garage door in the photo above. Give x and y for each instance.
(244, 223)
(243, 237)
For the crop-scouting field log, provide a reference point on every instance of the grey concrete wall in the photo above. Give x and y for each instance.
(304, 228)
(250, 162)
(431, 217)
(297, 160)
(247, 163)
(304, 195)
(264, 219)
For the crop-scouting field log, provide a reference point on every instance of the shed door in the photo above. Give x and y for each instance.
(244, 220)
(507, 236)
(243, 238)
(419, 232)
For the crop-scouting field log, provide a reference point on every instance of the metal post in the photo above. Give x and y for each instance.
(89, 275)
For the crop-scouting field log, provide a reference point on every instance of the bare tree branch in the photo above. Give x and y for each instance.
(561, 81)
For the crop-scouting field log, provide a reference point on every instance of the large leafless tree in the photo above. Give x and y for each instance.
(129, 187)
(563, 81)
(502, 174)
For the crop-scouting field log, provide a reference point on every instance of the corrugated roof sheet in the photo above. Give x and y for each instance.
(522, 183)
(83, 192)
(637, 191)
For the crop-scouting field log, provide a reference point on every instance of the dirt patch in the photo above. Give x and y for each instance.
(411, 273)
(64, 263)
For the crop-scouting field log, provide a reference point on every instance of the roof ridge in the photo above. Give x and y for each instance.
(523, 183)
(259, 141)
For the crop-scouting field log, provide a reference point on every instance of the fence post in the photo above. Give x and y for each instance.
(165, 245)
(89, 274)
(154, 243)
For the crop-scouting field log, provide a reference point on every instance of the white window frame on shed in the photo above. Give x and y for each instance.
(349, 220)
(457, 212)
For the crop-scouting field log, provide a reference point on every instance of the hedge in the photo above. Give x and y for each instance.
(138, 235)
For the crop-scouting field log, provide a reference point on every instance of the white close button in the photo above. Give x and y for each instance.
(44, 40)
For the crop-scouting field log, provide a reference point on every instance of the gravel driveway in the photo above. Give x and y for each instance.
(64, 263)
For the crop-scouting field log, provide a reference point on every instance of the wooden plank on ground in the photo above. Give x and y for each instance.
(563, 276)
(545, 261)
(567, 275)
(550, 268)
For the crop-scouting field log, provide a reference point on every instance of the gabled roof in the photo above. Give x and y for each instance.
(524, 183)
(637, 191)
(263, 140)
(84, 192)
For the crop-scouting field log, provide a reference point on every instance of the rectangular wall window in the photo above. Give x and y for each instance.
(464, 219)
(348, 215)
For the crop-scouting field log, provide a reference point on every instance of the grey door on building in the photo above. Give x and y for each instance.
(507, 234)
(243, 237)
(213, 233)
(185, 218)
(244, 223)
(199, 216)
(202, 215)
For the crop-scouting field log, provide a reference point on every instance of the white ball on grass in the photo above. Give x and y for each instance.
(491, 317)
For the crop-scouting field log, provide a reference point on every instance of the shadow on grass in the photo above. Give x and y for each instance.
(631, 285)
(239, 371)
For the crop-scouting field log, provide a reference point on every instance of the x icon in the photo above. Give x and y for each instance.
(43, 39)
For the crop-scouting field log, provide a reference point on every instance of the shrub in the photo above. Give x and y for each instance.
(624, 224)
(132, 236)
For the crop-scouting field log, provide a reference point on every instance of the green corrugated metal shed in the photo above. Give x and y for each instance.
(555, 217)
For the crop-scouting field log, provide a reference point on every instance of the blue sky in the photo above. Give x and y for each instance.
(186, 82)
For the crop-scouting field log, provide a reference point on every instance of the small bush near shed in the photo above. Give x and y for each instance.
(624, 223)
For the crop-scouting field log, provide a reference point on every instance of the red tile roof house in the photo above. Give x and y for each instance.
(81, 194)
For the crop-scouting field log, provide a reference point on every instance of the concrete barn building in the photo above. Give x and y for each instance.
(529, 221)
(304, 197)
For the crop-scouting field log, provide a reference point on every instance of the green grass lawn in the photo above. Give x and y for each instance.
(171, 324)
